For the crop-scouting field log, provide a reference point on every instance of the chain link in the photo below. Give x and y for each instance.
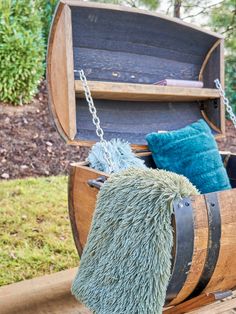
(96, 121)
(229, 109)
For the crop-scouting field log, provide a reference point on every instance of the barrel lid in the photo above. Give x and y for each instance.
(123, 52)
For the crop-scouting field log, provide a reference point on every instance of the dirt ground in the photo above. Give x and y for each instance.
(31, 146)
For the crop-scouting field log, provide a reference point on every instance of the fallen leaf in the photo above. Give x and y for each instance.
(24, 167)
(5, 175)
(12, 255)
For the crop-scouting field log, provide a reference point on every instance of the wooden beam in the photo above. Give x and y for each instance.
(144, 92)
(47, 294)
(197, 302)
(225, 306)
(105, 6)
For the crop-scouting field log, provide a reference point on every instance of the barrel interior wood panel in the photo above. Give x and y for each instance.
(135, 47)
(212, 72)
(212, 113)
(133, 120)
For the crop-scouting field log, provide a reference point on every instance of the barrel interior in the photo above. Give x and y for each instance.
(134, 49)
(133, 120)
(119, 46)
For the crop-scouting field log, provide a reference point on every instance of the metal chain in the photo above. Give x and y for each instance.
(96, 121)
(229, 109)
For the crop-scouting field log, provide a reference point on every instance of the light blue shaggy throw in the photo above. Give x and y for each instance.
(122, 156)
(126, 263)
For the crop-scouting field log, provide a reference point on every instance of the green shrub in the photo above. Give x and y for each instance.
(47, 8)
(22, 50)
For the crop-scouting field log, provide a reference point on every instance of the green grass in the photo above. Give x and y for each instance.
(35, 233)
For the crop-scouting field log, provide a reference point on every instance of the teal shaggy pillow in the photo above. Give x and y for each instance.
(191, 151)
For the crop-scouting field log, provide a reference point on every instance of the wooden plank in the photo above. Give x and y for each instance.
(144, 92)
(47, 294)
(133, 120)
(60, 73)
(79, 3)
(91, 143)
(225, 306)
(120, 66)
(123, 44)
(135, 147)
(82, 200)
(196, 303)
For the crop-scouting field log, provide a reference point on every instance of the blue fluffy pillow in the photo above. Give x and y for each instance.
(191, 151)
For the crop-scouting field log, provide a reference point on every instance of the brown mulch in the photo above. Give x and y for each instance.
(31, 146)
(229, 142)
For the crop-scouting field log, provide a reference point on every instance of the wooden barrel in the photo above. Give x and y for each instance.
(205, 236)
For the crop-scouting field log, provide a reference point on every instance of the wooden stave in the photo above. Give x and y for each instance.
(224, 275)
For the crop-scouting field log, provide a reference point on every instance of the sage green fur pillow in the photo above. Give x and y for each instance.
(191, 151)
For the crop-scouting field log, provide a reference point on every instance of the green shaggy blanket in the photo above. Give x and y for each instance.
(125, 266)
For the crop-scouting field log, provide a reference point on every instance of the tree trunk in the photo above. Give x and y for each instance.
(177, 6)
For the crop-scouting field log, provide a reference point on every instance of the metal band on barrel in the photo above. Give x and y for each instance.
(184, 237)
(214, 236)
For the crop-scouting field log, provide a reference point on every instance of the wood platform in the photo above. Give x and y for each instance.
(225, 306)
(47, 294)
(51, 294)
(145, 92)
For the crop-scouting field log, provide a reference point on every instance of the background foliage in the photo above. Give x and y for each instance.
(21, 50)
(46, 9)
(147, 4)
